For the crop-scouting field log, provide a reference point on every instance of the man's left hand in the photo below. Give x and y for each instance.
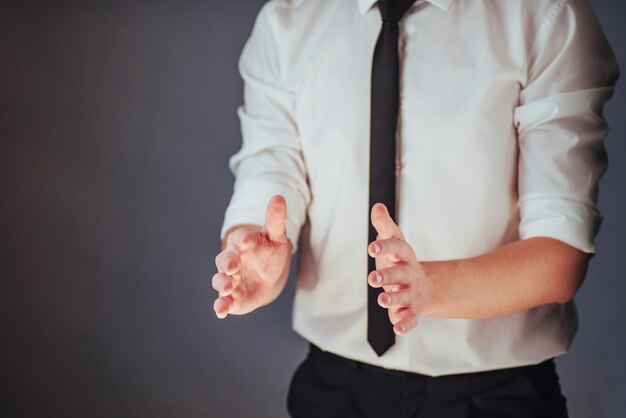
(408, 291)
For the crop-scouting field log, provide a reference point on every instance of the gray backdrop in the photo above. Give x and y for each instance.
(116, 122)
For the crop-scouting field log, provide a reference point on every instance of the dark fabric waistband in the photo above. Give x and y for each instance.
(328, 356)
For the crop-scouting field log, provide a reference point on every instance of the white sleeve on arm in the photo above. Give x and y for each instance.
(270, 160)
(571, 74)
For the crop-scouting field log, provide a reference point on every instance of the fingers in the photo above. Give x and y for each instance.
(402, 274)
(393, 248)
(395, 299)
(407, 322)
(384, 224)
(227, 262)
(275, 218)
(403, 319)
(221, 306)
(222, 283)
(241, 239)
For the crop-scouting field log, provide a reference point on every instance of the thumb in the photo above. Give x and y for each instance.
(275, 218)
(384, 224)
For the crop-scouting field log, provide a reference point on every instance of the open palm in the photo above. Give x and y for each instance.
(252, 263)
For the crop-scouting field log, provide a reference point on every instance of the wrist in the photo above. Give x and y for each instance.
(438, 276)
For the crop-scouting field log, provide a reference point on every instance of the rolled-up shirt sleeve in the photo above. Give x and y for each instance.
(571, 73)
(270, 160)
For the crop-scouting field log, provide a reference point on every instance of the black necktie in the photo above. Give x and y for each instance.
(384, 116)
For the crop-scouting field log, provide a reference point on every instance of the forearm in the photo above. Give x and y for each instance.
(519, 276)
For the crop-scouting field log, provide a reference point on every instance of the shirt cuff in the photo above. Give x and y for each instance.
(571, 221)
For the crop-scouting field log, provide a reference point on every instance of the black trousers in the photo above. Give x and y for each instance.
(327, 385)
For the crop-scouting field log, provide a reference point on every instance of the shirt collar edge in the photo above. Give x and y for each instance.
(365, 5)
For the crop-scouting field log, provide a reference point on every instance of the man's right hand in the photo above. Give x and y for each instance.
(254, 265)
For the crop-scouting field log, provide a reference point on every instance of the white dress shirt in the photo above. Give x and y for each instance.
(500, 138)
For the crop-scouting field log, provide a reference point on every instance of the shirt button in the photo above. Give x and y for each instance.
(398, 166)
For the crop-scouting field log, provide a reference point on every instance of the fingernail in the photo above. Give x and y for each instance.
(376, 248)
(402, 328)
(379, 278)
